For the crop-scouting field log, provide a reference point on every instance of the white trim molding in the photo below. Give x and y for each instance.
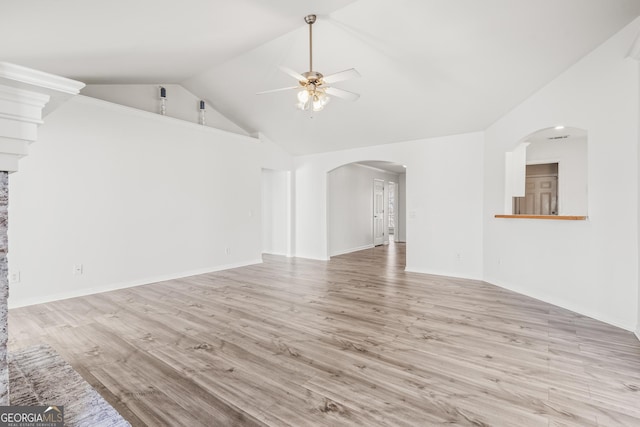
(26, 96)
(31, 78)
(59, 89)
(568, 305)
(348, 251)
(450, 274)
(41, 299)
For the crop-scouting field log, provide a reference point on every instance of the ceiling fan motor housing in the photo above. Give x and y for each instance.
(313, 77)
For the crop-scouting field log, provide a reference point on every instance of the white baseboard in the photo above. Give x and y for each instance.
(311, 257)
(566, 305)
(276, 253)
(41, 299)
(580, 310)
(453, 274)
(348, 251)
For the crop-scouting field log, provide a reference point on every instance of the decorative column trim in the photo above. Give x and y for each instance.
(59, 89)
(26, 96)
(39, 79)
(19, 118)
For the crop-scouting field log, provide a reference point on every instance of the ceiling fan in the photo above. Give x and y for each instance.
(313, 89)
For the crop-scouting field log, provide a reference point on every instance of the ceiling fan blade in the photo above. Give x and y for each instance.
(351, 73)
(299, 77)
(277, 90)
(341, 93)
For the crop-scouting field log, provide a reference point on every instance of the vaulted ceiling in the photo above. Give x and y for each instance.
(429, 67)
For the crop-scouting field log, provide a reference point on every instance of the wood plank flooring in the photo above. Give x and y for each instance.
(353, 341)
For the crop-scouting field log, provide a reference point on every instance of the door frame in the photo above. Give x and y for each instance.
(561, 179)
(384, 211)
(396, 186)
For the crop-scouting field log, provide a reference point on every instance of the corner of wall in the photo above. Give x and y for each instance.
(638, 331)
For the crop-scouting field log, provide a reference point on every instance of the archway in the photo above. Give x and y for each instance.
(366, 206)
(547, 173)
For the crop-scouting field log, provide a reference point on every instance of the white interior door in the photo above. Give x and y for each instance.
(541, 197)
(378, 212)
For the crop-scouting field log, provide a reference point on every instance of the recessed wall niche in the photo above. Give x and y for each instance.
(546, 173)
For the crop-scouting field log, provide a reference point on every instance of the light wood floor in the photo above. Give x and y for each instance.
(353, 341)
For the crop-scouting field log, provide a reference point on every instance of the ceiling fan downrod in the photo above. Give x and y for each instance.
(313, 88)
(310, 19)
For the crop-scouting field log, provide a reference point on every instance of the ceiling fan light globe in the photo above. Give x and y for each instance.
(303, 96)
(319, 101)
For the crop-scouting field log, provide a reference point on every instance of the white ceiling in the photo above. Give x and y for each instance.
(429, 67)
(142, 41)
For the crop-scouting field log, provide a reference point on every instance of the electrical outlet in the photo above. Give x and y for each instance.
(14, 277)
(77, 269)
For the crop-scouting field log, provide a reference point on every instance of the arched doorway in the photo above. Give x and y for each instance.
(548, 173)
(366, 205)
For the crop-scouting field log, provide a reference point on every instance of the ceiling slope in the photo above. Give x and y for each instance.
(142, 41)
(429, 67)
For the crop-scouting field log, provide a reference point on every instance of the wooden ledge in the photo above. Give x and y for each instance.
(556, 217)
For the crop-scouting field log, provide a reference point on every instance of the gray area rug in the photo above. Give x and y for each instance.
(39, 376)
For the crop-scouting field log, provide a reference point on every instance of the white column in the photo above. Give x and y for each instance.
(26, 96)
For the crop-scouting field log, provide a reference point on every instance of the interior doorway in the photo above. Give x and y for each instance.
(378, 212)
(358, 207)
(393, 212)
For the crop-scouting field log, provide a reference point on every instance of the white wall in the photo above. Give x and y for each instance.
(350, 205)
(180, 103)
(402, 208)
(443, 201)
(275, 212)
(590, 267)
(571, 154)
(134, 197)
